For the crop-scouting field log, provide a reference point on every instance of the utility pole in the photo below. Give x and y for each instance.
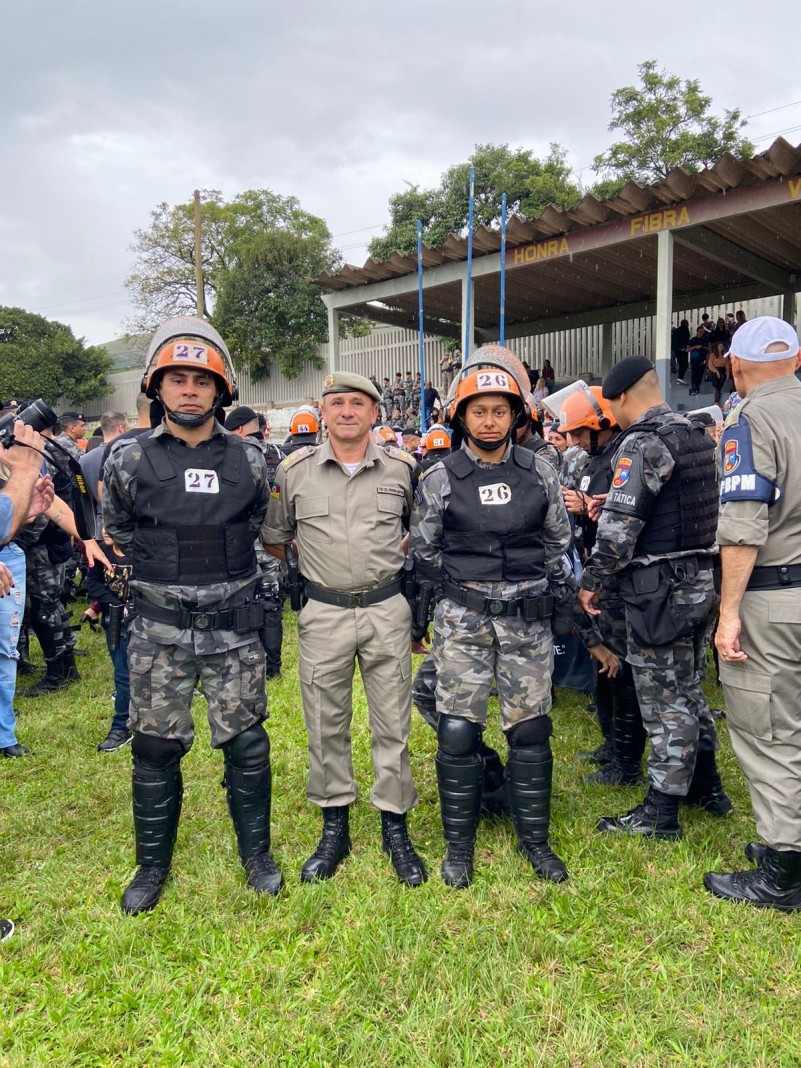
(198, 264)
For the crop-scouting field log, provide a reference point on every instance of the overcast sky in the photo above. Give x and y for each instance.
(109, 109)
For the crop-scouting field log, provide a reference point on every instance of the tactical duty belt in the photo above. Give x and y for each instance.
(532, 609)
(360, 599)
(244, 618)
(778, 577)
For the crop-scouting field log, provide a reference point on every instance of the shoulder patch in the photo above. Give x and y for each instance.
(296, 456)
(740, 481)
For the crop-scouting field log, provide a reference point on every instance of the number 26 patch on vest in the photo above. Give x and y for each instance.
(497, 493)
(198, 480)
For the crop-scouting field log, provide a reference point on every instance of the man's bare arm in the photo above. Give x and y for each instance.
(737, 562)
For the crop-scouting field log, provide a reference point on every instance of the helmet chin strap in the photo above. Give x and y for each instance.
(190, 421)
(489, 446)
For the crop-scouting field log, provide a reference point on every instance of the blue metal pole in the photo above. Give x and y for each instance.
(502, 330)
(420, 320)
(469, 286)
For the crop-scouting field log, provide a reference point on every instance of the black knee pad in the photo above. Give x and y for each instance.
(530, 733)
(458, 737)
(248, 749)
(155, 753)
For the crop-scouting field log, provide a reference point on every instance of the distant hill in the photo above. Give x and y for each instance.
(129, 352)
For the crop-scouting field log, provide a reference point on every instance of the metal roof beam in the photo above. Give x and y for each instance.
(640, 309)
(407, 283)
(721, 250)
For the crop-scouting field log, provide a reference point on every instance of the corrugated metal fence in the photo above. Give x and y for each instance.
(387, 350)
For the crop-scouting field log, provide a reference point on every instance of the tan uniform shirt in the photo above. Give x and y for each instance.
(772, 411)
(348, 527)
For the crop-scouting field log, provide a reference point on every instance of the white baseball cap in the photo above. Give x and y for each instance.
(752, 340)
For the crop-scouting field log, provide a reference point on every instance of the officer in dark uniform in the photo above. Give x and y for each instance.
(186, 502)
(586, 418)
(490, 526)
(656, 534)
(304, 429)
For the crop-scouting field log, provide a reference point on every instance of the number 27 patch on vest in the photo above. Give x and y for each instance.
(198, 480)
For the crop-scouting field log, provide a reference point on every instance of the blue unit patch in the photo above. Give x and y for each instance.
(740, 480)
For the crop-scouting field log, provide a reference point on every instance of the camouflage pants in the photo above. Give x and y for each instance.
(471, 649)
(668, 683)
(50, 623)
(163, 680)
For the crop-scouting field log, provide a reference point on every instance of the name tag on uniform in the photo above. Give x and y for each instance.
(198, 480)
(498, 493)
(584, 484)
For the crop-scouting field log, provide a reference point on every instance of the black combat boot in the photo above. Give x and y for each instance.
(529, 772)
(755, 851)
(459, 780)
(332, 848)
(604, 706)
(52, 680)
(774, 884)
(157, 796)
(71, 673)
(706, 790)
(655, 817)
(494, 795)
(628, 737)
(395, 841)
(249, 796)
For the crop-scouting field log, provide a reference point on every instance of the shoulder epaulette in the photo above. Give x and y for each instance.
(399, 454)
(297, 456)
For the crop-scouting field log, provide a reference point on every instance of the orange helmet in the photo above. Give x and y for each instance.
(486, 380)
(385, 435)
(304, 421)
(187, 341)
(436, 439)
(579, 405)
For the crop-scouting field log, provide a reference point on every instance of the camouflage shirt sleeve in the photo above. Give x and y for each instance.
(556, 528)
(119, 490)
(618, 532)
(426, 523)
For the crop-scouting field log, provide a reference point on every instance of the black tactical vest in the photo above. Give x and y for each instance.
(192, 510)
(595, 478)
(684, 515)
(493, 522)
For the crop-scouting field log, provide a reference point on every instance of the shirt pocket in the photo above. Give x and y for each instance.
(313, 519)
(748, 696)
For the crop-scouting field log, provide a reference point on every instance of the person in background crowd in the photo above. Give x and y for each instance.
(759, 628)
(304, 428)
(717, 365)
(698, 350)
(433, 403)
(387, 406)
(547, 372)
(739, 320)
(680, 339)
(73, 428)
(411, 440)
(446, 371)
(555, 437)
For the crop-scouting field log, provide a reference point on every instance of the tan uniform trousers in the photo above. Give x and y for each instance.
(763, 708)
(332, 640)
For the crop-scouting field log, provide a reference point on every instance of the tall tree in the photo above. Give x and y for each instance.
(666, 123)
(261, 254)
(40, 358)
(530, 185)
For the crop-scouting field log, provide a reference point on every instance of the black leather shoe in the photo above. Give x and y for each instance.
(395, 841)
(544, 861)
(332, 848)
(114, 740)
(775, 884)
(264, 875)
(144, 890)
(716, 802)
(15, 751)
(457, 867)
(646, 820)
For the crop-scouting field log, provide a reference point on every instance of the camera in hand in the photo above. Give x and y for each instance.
(37, 414)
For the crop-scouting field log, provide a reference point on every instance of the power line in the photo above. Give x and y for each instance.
(770, 111)
(778, 133)
(363, 229)
(78, 300)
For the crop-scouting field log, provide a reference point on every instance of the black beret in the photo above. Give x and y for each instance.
(239, 416)
(624, 375)
(411, 431)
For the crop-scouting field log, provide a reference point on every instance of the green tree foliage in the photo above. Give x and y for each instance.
(530, 185)
(261, 254)
(40, 358)
(665, 123)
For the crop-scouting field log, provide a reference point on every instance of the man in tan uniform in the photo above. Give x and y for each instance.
(759, 633)
(344, 503)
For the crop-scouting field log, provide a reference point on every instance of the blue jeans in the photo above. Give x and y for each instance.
(122, 681)
(12, 607)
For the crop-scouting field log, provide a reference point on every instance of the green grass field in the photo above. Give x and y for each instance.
(630, 963)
